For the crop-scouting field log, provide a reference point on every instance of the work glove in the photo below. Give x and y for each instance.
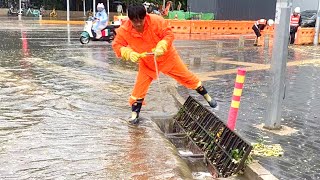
(134, 56)
(129, 54)
(161, 48)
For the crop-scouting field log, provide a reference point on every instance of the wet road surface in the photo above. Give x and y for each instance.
(64, 106)
(300, 109)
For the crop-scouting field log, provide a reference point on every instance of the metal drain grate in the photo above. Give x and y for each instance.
(223, 148)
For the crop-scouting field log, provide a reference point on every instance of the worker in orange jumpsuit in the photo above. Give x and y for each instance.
(143, 33)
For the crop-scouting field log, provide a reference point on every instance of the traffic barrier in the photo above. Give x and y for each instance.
(200, 27)
(304, 36)
(61, 22)
(240, 27)
(119, 18)
(248, 27)
(180, 26)
(211, 27)
(219, 27)
(266, 36)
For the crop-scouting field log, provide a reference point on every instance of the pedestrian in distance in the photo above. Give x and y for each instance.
(143, 33)
(295, 23)
(119, 10)
(258, 26)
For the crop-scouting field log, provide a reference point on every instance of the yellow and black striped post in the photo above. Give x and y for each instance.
(235, 103)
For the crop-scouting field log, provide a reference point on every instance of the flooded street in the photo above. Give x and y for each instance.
(64, 106)
(300, 110)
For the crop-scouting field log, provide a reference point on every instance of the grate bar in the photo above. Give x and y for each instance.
(213, 137)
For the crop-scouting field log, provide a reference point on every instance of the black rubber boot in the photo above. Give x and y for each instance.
(213, 103)
(255, 42)
(136, 107)
(201, 90)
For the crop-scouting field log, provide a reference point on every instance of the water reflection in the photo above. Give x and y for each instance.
(69, 33)
(136, 155)
(300, 111)
(64, 106)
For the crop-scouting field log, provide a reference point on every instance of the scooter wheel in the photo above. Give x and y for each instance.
(84, 40)
(111, 38)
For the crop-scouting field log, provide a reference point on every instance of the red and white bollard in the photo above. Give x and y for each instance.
(235, 103)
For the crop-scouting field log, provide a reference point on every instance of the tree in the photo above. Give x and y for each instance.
(50, 4)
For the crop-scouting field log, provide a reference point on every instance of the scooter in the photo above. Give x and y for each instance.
(108, 33)
(12, 11)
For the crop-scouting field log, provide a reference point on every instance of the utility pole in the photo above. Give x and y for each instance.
(163, 5)
(19, 14)
(68, 10)
(316, 30)
(84, 8)
(278, 65)
(94, 8)
(108, 4)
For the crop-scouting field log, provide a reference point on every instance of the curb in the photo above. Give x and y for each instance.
(180, 36)
(61, 22)
(256, 171)
(253, 171)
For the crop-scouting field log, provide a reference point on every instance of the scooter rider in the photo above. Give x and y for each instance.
(101, 19)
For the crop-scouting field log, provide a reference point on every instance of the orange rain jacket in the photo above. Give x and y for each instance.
(155, 29)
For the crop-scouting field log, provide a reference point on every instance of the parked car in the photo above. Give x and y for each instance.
(308, 18)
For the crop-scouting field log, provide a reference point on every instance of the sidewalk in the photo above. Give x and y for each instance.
(61, 14)
(217, 66)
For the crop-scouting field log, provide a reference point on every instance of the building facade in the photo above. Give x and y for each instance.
(235, 9)
(244, 9)
(75, 5)
(306, 4)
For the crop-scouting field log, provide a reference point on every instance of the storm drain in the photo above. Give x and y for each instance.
(223, 149)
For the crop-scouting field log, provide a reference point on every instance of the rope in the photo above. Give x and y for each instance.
(158, 80)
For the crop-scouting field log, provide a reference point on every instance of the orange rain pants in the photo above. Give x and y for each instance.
(179, 72)
(155, 29)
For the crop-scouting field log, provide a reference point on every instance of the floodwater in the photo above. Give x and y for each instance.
(300, 109)
(64, 106)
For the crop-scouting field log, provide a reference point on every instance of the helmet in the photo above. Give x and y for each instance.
(270, 22)
(297, 10)
(146, 4)
(100, 7)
